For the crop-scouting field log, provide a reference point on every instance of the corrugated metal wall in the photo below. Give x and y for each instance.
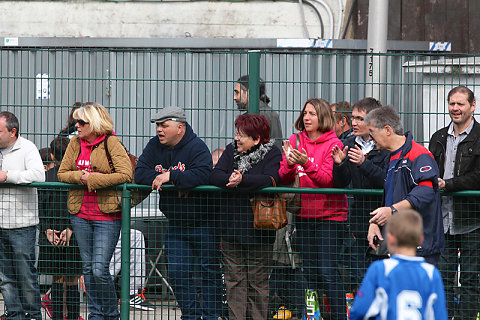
(133, 84)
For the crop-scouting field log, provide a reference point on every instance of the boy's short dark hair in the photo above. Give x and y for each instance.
(45, 155)
(407, 228)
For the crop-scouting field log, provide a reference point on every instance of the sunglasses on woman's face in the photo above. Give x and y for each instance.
(81, 122)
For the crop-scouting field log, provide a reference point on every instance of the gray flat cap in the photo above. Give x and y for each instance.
(169, 113)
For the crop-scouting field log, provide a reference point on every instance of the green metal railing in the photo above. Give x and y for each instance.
(126, 214)
(134, 82)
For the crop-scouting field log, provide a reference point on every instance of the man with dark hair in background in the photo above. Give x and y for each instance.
(20, 163)
(240, 96)
(342, 111)
(456, 148)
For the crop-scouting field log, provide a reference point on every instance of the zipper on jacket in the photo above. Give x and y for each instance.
(444, 151)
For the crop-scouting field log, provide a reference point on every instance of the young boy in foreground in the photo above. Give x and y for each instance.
(404, 286)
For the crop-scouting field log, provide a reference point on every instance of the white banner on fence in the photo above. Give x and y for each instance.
(10, 42)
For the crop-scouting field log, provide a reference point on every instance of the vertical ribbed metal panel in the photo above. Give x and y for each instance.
(134, 84)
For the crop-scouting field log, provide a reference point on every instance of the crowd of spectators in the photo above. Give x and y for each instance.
(363, 146)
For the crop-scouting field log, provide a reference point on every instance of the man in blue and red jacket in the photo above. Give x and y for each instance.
(411, 182)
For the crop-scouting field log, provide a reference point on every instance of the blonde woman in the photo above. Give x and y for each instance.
(96, 212)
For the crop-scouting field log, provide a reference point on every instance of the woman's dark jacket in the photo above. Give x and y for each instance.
(53, 214)
(235, 215)
(466, 174)
(369, 175)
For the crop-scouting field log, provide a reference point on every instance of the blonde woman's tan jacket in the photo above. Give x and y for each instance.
(109, 201)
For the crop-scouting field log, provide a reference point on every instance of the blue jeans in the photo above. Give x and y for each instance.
(185, 246)
(319, 243)
(96, 242)
(18, 274)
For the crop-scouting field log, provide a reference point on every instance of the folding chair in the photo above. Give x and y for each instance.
(155, 270)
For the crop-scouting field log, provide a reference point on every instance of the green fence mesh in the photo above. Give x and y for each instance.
(311, 264)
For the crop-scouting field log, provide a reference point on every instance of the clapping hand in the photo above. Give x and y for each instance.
(293, 156)
(356, 156)
(287, 149)
(338, 155)
(235, 179)
(299, 157)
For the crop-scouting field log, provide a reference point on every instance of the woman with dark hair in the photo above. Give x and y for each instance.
(70, 129)
(247, 165)
(59, 255)
(96, 211)
(321, 220)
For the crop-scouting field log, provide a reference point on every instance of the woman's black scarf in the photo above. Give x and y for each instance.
(245, 161)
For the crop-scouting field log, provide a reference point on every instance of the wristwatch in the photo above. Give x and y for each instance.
(394, 210)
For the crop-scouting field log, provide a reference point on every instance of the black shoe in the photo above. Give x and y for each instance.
(138, 301)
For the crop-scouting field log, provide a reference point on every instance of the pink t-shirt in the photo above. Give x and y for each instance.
(90, 209)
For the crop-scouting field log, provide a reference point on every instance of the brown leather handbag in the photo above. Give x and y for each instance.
(270, 211)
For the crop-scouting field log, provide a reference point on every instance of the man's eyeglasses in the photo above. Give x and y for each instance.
(81, 122)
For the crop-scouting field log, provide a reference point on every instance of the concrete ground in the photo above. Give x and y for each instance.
(165, 310)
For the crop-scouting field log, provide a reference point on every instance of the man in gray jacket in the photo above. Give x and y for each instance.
(20, 163)
(241, 99)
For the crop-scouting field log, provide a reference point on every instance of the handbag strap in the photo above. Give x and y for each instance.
(297, 140)
(273, 181)
(109, 157)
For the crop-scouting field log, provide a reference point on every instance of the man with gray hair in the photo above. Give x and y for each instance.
(411, 182)
(177, 156)
(20, 163)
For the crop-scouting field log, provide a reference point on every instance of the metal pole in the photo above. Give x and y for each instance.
(253, 81)
(377, 45)
(125, 260)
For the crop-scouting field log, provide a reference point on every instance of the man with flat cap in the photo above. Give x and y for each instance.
(177, 156)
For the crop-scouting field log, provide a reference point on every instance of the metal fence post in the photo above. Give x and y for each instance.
(253, 81)
(377, 47)
(125, 260)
